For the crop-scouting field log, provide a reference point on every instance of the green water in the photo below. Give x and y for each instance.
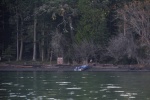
(74, 86)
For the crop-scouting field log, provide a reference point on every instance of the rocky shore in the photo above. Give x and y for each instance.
(65, 68)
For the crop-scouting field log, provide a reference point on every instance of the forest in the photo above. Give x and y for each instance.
(104, 31)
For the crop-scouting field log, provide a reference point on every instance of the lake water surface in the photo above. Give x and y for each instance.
(74, 86)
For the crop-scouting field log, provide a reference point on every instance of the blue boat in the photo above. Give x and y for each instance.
(81, 68)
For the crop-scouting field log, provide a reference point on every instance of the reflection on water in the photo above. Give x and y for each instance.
(74, 86)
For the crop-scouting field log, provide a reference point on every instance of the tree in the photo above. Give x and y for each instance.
(57, 43)
(34, 34)
(19, 12)
(8, 53)
(92, 24)
(135, 18)
(122, 46)
(84, 51)
(62, 15)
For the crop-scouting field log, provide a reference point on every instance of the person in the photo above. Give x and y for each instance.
(91, 61)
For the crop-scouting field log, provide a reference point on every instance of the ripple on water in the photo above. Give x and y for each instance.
(130, 95)
(74, 88)
(31, 93)
(84, 82)
(70, 99)
(29, 77)
(78, 95)
(3, 89)
(16, 84)
(124, 95)
(49, 89)
(103, 90)
(113, 87)
(55, 76)
(71, 93)
(12, 95)
(95, 98)
(22, 96)
(29, 89)
(104, 96)
(45, 82)
(10, 83)
(93, 91)
(52, 99)
(63, 82)
(21, 85)
(119, 91)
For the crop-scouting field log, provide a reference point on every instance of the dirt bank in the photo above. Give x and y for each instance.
(65, 68)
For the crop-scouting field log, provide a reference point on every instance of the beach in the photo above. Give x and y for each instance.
(65, 68)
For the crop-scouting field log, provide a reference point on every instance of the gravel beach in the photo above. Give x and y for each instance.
(65, 68)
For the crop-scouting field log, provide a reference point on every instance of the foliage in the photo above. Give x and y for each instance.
(8, 53)
(133, 22)
(92, 23)
(84, 50)
(76, 29)
(122, 46)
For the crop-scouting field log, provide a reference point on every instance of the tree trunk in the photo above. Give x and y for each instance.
(17, 47)
(21, 42)
(51, 55)
(47, 50)
(71, 29)
(124, 26)
(42, 51)
(34, 37)
(21, 49)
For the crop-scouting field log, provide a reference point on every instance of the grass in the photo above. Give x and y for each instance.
(27, 62)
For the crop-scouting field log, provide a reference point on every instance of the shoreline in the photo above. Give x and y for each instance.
(69, 68)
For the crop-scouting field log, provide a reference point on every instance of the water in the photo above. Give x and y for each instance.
(74, 86)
